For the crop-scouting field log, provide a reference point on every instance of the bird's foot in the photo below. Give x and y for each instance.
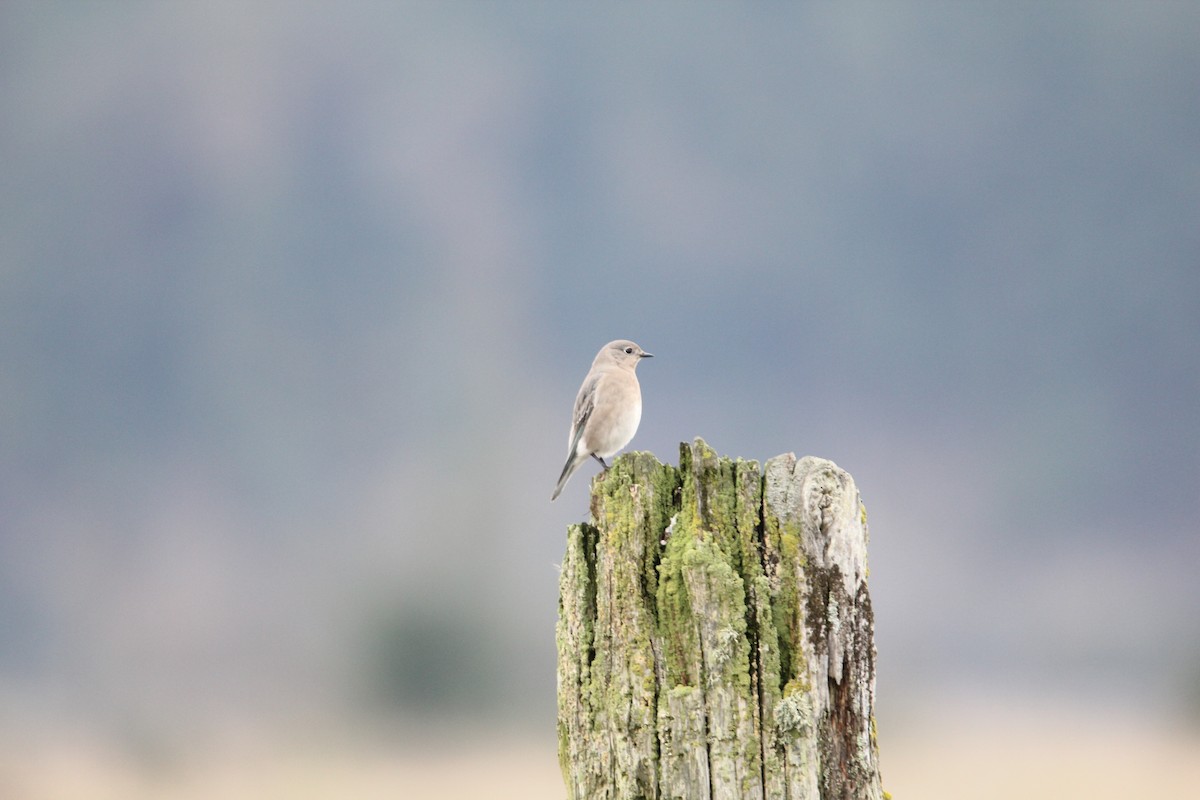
(603, 463)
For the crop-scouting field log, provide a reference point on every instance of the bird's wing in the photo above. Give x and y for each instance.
(585, 404)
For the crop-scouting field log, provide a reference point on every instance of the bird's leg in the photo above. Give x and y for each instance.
(601, 460)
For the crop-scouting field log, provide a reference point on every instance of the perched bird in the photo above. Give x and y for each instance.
(607, 410)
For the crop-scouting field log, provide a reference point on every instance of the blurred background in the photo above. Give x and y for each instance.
(295, 300)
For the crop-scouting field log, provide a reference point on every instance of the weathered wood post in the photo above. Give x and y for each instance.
(715, 635)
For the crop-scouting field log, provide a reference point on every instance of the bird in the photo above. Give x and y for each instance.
(607, 409)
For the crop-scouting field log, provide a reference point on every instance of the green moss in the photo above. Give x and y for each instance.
(682, 691)
(748, 486)
(676, 625)
(782, 542)
(564, 751)
(700, 576)
(710, 497)
(722, 614)
(767, 644)
(636, 499)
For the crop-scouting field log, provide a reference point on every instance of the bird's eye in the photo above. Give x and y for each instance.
(629, 351)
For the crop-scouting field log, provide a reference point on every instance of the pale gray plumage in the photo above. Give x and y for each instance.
(608, 408)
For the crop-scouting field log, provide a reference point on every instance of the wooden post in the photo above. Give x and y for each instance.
(715, 634)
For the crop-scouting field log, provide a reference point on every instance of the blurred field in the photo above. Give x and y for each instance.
(511, 769)
(1031, 753)
(999, 753)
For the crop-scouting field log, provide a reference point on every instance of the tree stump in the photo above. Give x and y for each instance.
(715, 634)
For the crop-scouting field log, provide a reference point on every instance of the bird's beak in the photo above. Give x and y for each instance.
(647, 355)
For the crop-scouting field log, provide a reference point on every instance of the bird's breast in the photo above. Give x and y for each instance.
(616, 429)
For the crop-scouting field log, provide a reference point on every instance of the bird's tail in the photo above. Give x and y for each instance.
(569, 468)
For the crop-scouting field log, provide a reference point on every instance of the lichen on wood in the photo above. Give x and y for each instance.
(715, 635)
